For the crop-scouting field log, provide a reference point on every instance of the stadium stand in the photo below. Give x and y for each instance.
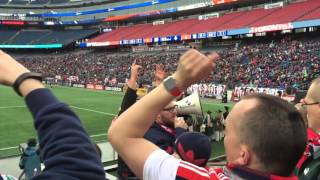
(26, 37)
(266, 64)
(257, 17)
(211, 24)
(288, 14)
(6, 35)
(247, 18)
(140, 33)
(312, 15)
(174, 28)
(3, 1)
(127, 31)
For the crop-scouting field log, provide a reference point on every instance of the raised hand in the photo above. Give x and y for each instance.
(135, 71)
(193, 66)
(159, 74)
(134, 75)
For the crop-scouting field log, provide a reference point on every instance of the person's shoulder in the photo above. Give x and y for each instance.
(192, 172)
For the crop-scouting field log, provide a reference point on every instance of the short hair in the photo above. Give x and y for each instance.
(32, 142)
(275, 131)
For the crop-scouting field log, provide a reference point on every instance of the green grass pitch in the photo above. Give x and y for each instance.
(95, 109)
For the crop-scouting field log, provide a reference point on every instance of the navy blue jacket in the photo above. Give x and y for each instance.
(156, 134)
(66, 149)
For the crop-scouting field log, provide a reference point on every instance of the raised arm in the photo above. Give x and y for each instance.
(126, 134)
(130, 96)
(66, 149)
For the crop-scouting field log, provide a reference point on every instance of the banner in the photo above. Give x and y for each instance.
(192, 6)
(166, 39)
(208, 90)
(113, 89)
(131, 41)
(98, 87)
(78, 85)
(222, 1)
(273, 27)
(14, 23)
(245, 90)
(90, 86)
(207, 16)
(273, 5)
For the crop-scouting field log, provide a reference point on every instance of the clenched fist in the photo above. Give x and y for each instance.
(193, 66)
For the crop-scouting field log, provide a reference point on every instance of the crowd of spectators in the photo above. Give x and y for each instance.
(277, 64)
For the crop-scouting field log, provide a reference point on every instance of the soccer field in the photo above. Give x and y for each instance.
(95, 109)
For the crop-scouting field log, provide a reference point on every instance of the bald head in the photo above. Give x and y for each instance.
(274, 131)
(240, 110)
(313, 109)
(314, 91)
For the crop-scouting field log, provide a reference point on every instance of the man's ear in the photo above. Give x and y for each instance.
(245, 155)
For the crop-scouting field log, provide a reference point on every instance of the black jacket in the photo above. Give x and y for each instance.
(157, 134)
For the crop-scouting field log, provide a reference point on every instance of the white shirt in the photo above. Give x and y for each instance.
(160, 165)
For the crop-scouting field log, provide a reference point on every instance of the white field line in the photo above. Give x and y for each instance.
(91, 110)
(16, 147)
(9, 107)
(96, 135)
(7, 148)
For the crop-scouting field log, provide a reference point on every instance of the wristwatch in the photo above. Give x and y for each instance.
(171, 86)
(24, 76)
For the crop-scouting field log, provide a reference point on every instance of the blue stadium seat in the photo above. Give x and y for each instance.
(38, 37)
(25, 37)
(39, 2)
(6, 35)
(3, 1)
(19, 2)
(58, 1)
(66, 37)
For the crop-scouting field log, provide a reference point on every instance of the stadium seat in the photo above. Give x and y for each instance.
(6, 35)
(289, 14)
(257, 17)
(58, 1)
(246, 18)
(25, 37)
(3, 1)
(39, 2)
(315, 14)
(19, 2)
(36, 37)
